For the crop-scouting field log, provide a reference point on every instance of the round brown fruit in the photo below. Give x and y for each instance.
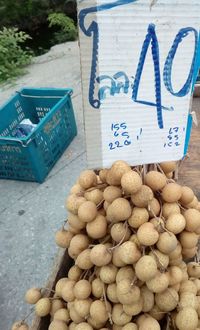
(155, 180)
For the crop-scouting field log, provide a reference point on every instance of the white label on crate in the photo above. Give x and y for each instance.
(139, 60)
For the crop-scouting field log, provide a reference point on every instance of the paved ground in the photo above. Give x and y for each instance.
(30, 213)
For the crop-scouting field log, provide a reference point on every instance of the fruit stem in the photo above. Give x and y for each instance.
(26, 317)
(106, 303)
(98, 186)
(162, 268)
(120, 242)
(100, 204)
(47, 289)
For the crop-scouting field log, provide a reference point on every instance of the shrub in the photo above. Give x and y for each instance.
(68, 30)
(13, 58)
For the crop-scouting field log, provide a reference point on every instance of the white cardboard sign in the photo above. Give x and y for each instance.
(139, 61)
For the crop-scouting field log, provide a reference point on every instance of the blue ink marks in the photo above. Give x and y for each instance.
(120, 82)
(115, 87)
(138, 136)
(93, 30)
(167, 74)
(119, 131)
(122, 85)
(151, 38)
(102, 90)
(173, 138)
(84, 12)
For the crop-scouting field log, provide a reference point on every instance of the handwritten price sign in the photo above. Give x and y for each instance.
(139, 62)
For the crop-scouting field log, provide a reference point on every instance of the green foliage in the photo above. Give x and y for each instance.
(26, 14)
(13, 58)
(30, 14)
(68, 30)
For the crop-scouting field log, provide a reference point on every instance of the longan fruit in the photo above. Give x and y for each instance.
(73, 202)
(170, 208)
(146, 268)
(120, 210)
(20, 325)
(76, 189)
(97, 287)
(108, 273)
(75, 222)
(142, 197)
(158, 223)
(171, 193)
(159, 283)
(59, 286)
(135, 308)
(150, 323)
(188, 240)
(167, 242)
(111, 193)
(129, 253)
(43, 307)
(189, 253)
(62, 315)
(82, 307)
(103, 174)
(87, 211)
(127, 293)
(130, 326)
(138, 217)
(167, 300)
(82, 289)
(148, 299)
(193, 203)
(33, 295)
(100, 256)
(112, 293)
(83, 260)
(119, 317)
(131, 182)
(175, 275)
(74, 273)
(57, 325)
(97, 228)
(161, 259)
(119, 231)
(186, 196)
(98, 311)
(63, 238)
(155, 180)
(67, 291)
(78, 243)
(154, 208)
(187, 319)
(168, 166)
(87, 179)
(95, 196)
(176, 223)
(116, 172)
(192, 218)
(147, 234)
(84, 326)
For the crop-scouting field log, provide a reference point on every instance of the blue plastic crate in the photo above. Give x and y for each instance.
(31, 158)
